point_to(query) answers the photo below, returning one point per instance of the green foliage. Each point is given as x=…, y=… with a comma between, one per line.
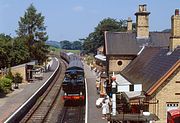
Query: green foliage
x=18, y=78
x=73, y=51
x=10, y=76
x=67, y=45
x=96, y=38
x=54, y=49
x=76, y=45
x=5, y=85
x=20, y=53
x=13, y=51
x=32, y=29
x=5, y=50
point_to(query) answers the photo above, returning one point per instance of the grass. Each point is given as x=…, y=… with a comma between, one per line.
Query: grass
x=57, y=50
x=72, y=51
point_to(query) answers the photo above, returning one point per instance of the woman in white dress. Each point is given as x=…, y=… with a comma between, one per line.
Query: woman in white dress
x=104, y=107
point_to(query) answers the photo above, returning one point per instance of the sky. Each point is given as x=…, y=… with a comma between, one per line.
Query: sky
x=76, y=19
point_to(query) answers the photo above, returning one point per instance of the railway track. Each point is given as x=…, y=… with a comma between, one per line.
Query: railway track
x=41, y=109
x=72, y=114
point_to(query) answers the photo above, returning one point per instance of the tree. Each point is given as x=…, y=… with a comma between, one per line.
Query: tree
x=5, y=50
x=96, y=38
x=76, y=45
x=89, y=42
x=20, y=53
x=65, y=45
x=31, y=27
x=13, y=51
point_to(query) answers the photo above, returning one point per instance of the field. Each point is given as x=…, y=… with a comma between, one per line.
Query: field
x=57, y=50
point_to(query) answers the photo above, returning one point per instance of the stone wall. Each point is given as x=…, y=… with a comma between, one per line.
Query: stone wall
x=166, y=94
x=20, y=69
x=118, y=65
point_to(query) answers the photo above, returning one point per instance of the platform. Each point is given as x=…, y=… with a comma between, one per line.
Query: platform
x=94, y=114
x=12, y=101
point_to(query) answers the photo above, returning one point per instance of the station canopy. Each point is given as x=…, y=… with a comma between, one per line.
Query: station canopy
x=100, y=57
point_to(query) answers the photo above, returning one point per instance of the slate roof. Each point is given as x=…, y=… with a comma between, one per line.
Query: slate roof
x=150, y=66
x=126, y=43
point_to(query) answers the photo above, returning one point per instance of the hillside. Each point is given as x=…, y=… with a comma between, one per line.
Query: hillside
x=53, y=43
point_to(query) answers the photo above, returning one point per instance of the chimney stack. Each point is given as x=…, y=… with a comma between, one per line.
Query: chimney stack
x=129, y=24
x=177, y=12
x=175, y=31
x=142, y=22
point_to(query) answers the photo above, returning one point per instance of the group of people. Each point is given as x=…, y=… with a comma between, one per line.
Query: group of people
x=103, y=102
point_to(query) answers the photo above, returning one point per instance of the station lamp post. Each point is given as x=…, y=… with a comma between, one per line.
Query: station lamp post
x=113, y=95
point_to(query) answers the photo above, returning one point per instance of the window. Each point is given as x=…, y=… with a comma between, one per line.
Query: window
x=119, y=63
x=173, y=105
x=131, y=87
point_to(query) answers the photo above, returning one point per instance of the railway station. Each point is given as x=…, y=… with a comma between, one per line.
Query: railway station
x=133, y=78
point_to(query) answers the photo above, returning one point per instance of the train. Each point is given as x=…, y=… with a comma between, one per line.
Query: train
x=73, y=84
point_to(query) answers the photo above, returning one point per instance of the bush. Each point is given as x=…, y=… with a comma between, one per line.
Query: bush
x=5, y=85
x=10, y=76
x=18, y=78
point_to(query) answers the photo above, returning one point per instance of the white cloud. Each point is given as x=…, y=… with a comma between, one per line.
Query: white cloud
x=78, y=8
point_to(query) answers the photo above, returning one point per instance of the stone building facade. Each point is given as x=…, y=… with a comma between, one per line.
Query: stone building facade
x=167, y=97
x=123, y=47
x=158, y=70
x=118, y=63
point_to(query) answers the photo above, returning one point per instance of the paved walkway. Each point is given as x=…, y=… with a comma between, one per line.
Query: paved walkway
x=12, y=101
x=94, y=114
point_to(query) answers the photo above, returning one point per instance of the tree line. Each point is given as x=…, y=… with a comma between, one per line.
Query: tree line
x=69, y=45
x=96, y=38
x=29, y=44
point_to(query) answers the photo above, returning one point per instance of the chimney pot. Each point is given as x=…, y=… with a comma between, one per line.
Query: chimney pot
x=177, y=12
x=129, y=19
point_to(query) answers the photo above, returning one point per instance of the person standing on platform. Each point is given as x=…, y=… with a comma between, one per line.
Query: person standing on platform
x=97, y=85
x=105, y=107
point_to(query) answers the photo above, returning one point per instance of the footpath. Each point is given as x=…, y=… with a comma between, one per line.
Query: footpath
x=94, y=114
x=11, y=102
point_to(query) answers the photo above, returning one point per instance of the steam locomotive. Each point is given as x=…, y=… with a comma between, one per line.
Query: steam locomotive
x=73, y=84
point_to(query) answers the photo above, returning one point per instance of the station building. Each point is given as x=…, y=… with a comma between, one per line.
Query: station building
x=151, y=59
x=123, y=47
